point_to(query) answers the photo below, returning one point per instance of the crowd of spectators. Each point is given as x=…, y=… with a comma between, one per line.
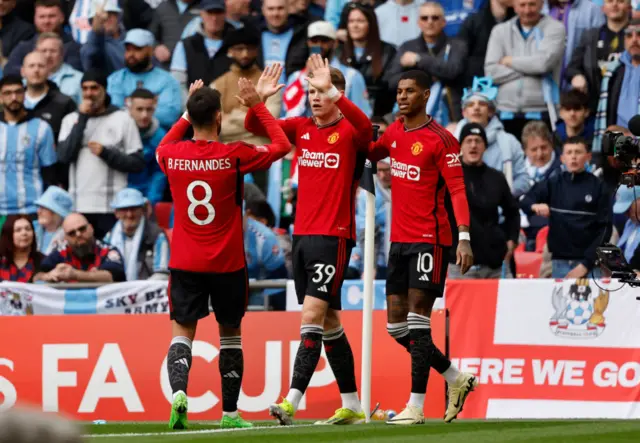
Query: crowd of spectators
x=90, y=87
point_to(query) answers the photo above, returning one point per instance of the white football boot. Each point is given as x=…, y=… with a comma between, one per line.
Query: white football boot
x=458, y=392
x=411, y=415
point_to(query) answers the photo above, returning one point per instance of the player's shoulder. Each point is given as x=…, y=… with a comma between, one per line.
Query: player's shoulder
x=241, y=146
x=439, y=135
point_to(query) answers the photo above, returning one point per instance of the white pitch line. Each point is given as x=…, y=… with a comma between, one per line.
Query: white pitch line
x=201, y=431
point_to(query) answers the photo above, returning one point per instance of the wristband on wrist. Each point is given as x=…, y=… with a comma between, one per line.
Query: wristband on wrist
x=186, y=116
x=464, y=236
x=333, y=93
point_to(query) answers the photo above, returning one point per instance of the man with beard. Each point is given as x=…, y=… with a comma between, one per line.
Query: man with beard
x=242, y=46
x=27, y=157
x=43, y=98
x=140, y=73
x=81, y=258
x=101, y=143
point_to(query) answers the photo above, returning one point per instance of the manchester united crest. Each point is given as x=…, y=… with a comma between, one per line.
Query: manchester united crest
x=333, y=138
x=416, y=148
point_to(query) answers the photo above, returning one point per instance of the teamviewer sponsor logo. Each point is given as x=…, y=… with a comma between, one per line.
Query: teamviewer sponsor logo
x=311, y=159
x=413, y=173
x=403, y=170
x=331, y=160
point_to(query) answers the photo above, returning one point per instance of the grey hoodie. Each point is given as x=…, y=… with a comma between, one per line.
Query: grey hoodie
x=520, y=86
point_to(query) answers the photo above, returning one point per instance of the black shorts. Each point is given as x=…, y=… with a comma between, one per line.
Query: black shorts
x=319, y=263
x=191, y=292
x=417, y=266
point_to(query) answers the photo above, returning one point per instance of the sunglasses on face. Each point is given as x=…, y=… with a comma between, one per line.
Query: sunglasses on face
x=77, y=232
x=631, y=31
x=433, y=18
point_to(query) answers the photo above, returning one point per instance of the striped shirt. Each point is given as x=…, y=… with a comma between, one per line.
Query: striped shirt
x=25, y=147
x=79, y=20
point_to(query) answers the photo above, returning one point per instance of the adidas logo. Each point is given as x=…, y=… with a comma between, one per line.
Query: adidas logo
x=323, y=288
x=424, y=277
x=232, y=374
x=393, y=145
x=182, y=361
x=306, y=137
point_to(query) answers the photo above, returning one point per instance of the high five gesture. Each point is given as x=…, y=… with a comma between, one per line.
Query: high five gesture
x=268, y=83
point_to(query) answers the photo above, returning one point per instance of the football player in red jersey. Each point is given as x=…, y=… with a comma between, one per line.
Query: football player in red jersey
x=331, y=150
x=207, y=263
x=424, y=165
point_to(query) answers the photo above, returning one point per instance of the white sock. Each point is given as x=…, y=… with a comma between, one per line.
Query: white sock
x=294, y=396
x=351, y=401
x=175, y=394
x=233, y=414
x=417, y=400
x=451, y=374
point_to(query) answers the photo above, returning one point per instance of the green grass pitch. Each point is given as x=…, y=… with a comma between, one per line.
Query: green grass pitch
x=567, y=431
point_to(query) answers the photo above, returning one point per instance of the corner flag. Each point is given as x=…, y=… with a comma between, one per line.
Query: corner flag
x=367, y=183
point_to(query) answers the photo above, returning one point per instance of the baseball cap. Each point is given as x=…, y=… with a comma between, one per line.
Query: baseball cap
x=109, y=6
x=140, y=38
x=321, y=29
x=473, y=129
x=57, y=200
x=128, y=198
x=624, y=198
x=212, y=5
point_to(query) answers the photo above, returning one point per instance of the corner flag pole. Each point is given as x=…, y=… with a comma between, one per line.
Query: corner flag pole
x=368, y=186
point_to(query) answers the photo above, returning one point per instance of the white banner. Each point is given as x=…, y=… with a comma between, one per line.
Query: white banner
x=138, y=297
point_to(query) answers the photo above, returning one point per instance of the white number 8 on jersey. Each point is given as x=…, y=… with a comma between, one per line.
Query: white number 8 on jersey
x=206, y=202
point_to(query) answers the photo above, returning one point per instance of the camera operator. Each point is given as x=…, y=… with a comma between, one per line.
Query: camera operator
x=628, y=203
x=620, y=89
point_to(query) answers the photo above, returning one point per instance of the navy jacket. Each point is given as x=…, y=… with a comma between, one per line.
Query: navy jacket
x=580, y=218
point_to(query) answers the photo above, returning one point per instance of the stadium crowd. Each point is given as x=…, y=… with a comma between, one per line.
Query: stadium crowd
x=90, y=87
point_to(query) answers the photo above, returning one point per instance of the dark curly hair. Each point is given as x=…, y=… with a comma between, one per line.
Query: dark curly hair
x=7, y=248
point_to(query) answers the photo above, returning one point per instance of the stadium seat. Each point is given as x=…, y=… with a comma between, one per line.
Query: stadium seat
x=163, y=213
x=541, y=239
x=527, y=264
x=169, y=233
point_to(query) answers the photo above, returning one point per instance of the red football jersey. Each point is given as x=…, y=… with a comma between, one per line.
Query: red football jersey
x=423, y=160
x=206, y=181
x=330, y=162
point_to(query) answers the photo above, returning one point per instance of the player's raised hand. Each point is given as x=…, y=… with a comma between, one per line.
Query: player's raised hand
x=247, y=93
x=320, y=76
x=195, y=86
x=464, y=256
x=268, y=83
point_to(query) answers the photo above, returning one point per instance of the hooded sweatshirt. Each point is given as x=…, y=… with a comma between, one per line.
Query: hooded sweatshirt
x=151, y=181
x=503, y=147
x=95, y=179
